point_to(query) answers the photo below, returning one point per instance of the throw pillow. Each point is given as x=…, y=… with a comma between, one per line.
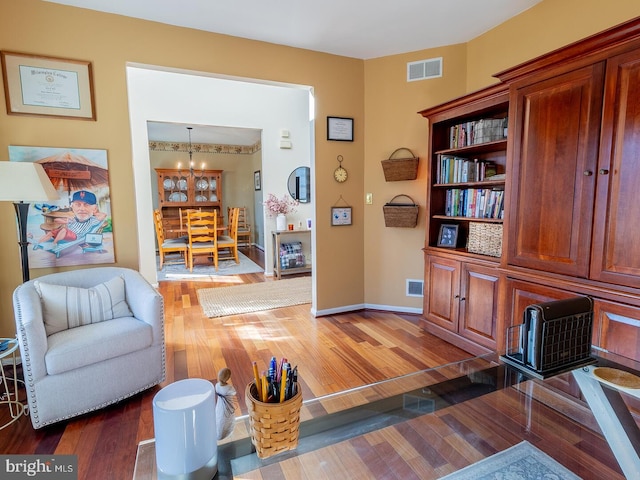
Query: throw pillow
x=69, y=307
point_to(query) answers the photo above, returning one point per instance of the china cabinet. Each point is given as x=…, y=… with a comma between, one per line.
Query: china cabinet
x=180, y=190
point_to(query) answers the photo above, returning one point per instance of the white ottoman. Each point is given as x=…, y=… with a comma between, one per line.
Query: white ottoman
x=184, y=420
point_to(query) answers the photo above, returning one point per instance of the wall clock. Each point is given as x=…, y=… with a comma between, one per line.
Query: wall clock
x=340, y=174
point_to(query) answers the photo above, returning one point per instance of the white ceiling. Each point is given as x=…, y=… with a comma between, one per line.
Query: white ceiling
x=354, y=28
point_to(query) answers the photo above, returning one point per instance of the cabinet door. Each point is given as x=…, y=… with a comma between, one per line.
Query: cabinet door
x=443, y=292
x=479, y=304
x=616, y=328
x=616, y=250
x=521, y=294
x=554, y=157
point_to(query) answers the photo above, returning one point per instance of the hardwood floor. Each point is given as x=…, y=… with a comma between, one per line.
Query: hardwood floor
x=333, y=353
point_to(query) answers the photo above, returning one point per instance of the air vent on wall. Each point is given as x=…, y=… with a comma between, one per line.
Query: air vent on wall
x=415, y=288
x=424, y=69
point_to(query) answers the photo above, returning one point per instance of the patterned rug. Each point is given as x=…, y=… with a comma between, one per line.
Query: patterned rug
x=200, y=273
x=520, y=462
x=255, y=297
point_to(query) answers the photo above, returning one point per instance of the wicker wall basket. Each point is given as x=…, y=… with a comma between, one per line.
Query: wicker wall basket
x=274, y=427
x=485, y=238
x=400, y=168
x=398, y=214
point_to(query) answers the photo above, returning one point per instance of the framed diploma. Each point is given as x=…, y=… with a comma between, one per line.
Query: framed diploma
x=340, y=129
x=49, y=86
x=340, y=216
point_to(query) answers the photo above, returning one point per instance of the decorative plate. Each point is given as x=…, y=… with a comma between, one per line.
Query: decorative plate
x=201, y=198
x=178, y=197
x=168, y=184
x=202, y=184
x=182, y=184
x=212, y=184
x=213, y=198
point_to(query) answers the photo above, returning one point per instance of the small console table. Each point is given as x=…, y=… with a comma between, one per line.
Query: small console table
x=283, y=236
x=9, y=347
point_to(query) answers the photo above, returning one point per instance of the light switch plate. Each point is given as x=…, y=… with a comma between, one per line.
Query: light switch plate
x=368, y=198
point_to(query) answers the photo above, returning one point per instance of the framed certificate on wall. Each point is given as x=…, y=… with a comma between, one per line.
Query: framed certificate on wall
x=340, y=129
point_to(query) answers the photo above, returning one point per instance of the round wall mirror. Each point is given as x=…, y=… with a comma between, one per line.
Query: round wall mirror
x=299, y=184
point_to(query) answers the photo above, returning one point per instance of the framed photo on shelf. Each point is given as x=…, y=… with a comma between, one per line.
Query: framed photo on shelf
x=340, y=216
x=257, y=182
x=48, y=86
x=340, y=129
x=448, y=236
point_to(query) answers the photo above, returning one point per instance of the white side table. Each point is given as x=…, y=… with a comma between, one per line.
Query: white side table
x=10, y=398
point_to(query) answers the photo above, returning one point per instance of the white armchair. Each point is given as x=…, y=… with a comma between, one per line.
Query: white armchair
x=88, y=338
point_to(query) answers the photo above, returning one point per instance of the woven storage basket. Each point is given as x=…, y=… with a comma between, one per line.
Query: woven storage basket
x=400, y=214
x=274, y=427
x=400, y=168
x=485, y=238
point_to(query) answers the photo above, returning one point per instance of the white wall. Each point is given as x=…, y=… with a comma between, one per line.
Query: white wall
x=193, y=98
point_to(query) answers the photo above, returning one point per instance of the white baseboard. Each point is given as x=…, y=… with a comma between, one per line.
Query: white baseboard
x=361, y=306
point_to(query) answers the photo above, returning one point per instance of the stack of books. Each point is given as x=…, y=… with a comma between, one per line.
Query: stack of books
x=451, y=169
x=475, y=203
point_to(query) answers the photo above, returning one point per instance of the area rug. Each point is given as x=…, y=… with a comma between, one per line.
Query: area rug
x=255, y=297
x=179, y=272
x=520, y=462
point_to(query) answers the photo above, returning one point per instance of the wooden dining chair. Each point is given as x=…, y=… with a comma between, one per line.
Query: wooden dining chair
x=244, y=228
x=202, y=234
x=230, y=241
x=169, y=245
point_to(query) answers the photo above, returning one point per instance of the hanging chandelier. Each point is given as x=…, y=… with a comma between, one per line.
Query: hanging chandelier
x=191, y=169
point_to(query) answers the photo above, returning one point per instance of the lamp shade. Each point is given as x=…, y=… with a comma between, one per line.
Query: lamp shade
x=25, y=181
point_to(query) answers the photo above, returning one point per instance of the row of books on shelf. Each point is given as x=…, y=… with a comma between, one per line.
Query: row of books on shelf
x=451, y=169
x=478, y=131
x=474, y=203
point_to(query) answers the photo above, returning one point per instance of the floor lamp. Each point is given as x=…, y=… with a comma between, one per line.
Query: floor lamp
x=23, y=182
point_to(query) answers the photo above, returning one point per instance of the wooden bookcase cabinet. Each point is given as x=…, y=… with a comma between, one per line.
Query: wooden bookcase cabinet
x=573, y=226
x=178, y=190
x=462, y=288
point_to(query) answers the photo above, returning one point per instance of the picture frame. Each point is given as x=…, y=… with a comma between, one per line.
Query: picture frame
x=257, y=181
x=340, y=129
x=48, y=86
x=340, y=216
x=448, y=236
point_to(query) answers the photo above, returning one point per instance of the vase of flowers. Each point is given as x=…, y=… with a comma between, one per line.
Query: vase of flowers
x=280, y=207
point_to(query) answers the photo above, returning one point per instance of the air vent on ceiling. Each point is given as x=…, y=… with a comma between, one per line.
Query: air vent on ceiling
x=424, y=69
x=415, y=288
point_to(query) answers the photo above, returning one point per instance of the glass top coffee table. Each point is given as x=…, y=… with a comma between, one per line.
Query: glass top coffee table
x=438, y=421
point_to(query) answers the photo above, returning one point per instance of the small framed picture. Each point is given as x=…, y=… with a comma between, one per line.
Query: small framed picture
x=257, y=183
x=340, y=216
x=448, y=236
x=340, y=129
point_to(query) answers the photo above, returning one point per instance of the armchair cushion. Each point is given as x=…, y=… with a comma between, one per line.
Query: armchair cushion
x=65, y=307
x=79, y=347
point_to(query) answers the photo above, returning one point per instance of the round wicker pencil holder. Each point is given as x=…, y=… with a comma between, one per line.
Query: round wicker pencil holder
x=274, y=427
